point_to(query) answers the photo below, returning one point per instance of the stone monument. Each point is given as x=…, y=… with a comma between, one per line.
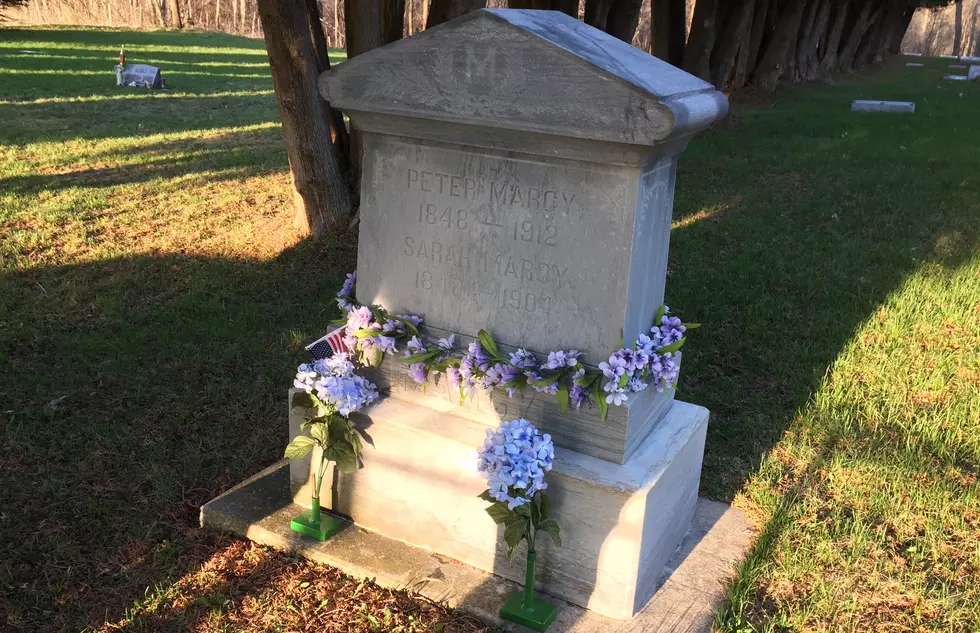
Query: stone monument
x=518, y=177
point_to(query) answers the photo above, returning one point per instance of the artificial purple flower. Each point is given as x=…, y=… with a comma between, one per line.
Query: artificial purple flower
x=452, y=374
x=523, y=359
x=386, y=344
x=671, y=330
x=561, y=358
x=359, y=319
x=447, y=344
x=615, y=368
x=418, y=372
x=415, y=346
x=479, y=355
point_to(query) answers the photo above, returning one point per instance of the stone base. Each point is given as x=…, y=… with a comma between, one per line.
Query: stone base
x=620, y=523
x=692, y=587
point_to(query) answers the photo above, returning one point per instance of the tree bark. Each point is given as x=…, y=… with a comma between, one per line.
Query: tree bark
x=807, y=63
x=362, y=22
x=771, y=65
x=736, y=30
x=668, y=30
x=445, y=10
x=392, y=20
x=760, y=22
x=845, y=58
x=744, y=61
x=597, y=13
x=529, y=4
x=958, y=29
x=322, y=198
x=321, y=52
x=865, y=49
x=174, y=15
x=895, y=46
x=568, y=7
x=623, y=18
x=828, y=63
x=701, y=41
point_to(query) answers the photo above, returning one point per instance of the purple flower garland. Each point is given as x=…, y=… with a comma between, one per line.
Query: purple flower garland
x=653, y=359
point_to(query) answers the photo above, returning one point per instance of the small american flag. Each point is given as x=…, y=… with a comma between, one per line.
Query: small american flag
x=326, y=346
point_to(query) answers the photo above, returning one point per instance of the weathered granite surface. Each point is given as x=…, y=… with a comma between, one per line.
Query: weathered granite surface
x=518, y=177
x=861, y=105
x=974, y=72
x=693, y=581
x=619, y=523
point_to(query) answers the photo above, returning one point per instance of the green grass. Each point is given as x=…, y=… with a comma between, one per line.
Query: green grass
x=153, y=300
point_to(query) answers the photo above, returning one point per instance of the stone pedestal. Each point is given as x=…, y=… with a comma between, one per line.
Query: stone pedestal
x=620, y=522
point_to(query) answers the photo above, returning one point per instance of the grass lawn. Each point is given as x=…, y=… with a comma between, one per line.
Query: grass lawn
x=154, y=299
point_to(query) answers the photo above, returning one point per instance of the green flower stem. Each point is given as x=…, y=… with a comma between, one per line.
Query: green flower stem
x=317, y=483
x=529, y=570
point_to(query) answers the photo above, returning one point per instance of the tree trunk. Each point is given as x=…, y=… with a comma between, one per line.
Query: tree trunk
x=898, y=36
x=736, y=31
x=597, y=13
x=445, y=10
x=321, y=52
x=701, y=41
x=828, y=63
x=174, y=15
x=744, y=61
x=773, y=59
x=623, y=18
x=529, y=4
x=668, y=30
x=392, y=20
x=958, y=28
x=568, y=7
x=322, y=197
x=845, y=59
x=760, y=22
x=807, y=64
x=362, y=20
x=865, y=49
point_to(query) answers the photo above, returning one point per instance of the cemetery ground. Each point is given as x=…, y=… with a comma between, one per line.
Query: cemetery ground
x=154, y=301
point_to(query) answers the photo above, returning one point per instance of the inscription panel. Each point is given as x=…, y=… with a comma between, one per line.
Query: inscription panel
x=536, y=252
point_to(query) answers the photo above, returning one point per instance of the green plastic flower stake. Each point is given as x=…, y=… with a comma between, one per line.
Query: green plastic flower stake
x=514, y=459
x=331, y=430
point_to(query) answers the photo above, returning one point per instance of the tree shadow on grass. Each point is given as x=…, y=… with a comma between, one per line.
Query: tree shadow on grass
x=135, y=390
x=821, y=220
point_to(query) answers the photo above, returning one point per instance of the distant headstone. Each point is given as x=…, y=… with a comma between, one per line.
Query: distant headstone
x=958, y=66
x=974, y=72
x=969, y=59
x=913, y=54
x=949, y=56
x=912, y=65
x=142, y=75
x=862, y=105
x=956, y=77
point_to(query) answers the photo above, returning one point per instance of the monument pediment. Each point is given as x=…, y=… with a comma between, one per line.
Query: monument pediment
x=533, y=71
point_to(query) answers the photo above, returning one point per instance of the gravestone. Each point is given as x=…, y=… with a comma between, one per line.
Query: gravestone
x=912, y=54
x=518, y=177
x=968, y=58
x=862, y=105
x=956, y=77
x=142, y=75
x=974, y=72
x=914, y=65
x=564, y=245
x=958, y=66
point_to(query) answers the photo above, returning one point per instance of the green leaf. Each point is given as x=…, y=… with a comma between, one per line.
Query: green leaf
x=421, y=356
x=367, y=333
x=543, y=382
x=658, y=317
x=692, y=326
x=673, y=347
x=562, y=397
x=318, y=432
x=514, y=534
x=586, y=381
x=499, y=513
x=299, y=447
x=304, y=400
x=551, y=527
x=343, y=455
x=486, y=341
x=624, y=380
x=545, y=503
x=520, y=381
x=485, y=495
x=339, y=322
x=600, y=400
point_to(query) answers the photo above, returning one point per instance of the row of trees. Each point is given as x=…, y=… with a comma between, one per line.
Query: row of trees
x=730, y=43
x=231, y=16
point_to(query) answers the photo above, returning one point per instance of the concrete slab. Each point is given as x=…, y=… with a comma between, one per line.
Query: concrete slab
x=914, y=65
x=693, y=581
x=863, y=105
x=956, y=77
x=959, y=66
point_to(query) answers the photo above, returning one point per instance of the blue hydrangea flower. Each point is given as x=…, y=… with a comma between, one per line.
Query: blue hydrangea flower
x=514, y=459
x=335, y=383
